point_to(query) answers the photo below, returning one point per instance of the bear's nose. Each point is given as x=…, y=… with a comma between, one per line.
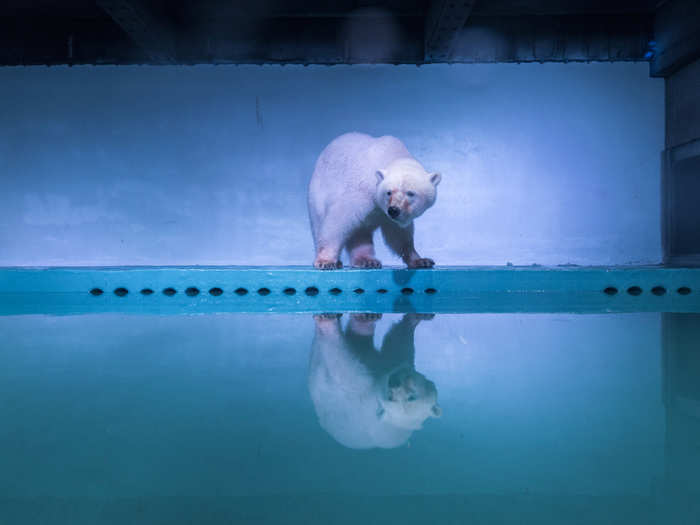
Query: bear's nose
x=393, y=212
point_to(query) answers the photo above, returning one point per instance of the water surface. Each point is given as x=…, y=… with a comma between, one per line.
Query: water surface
x=481, y=418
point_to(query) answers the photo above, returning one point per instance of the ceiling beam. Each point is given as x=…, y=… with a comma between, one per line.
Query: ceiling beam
x=445, y=20
x=149, y=31
x=605, y=38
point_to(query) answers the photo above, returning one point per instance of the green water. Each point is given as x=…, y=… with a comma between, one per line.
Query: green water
x=233, y=418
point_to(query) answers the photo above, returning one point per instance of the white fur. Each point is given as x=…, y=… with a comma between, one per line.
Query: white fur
x=352, y=397
x=349, y=200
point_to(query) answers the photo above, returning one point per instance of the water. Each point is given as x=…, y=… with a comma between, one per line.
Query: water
x=236, y=418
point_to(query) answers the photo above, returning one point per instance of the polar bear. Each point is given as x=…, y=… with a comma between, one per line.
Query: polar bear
x=364, y=398
x=362, y=183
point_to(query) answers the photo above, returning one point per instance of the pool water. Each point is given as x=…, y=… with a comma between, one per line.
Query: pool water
x=359, y=418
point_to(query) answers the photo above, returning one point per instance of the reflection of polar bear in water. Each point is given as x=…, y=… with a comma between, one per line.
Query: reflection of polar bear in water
x=364, y=398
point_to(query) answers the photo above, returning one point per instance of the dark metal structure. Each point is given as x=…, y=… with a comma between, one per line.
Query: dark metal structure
x=322, y=32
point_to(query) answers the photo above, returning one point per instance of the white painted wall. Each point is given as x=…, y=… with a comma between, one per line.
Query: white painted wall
x=549, y=164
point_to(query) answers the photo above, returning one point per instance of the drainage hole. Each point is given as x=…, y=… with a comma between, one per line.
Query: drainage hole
x=264, y=291
x=216, y=291
x=684, y=290
x=407, y=291
x=430, y=291
x=382, y=290
x=121, y=292
x=658, y=290
x=358, y=291
x=610, y=290
x=241, y=291
x=634, y=290
x=335, y=291
x=192, y=291
x=311, y=290
x=289, y=291
x=146, y=291
x=170, y=292
x=96, y=291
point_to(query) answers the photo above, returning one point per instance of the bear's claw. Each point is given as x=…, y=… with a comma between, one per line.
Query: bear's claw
x=421, y=263
x=324, y=264
x=367, y=263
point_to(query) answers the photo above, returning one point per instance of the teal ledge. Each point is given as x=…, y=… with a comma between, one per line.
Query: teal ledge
x=198, y=289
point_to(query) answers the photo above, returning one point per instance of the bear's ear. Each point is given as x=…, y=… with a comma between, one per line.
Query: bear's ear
x=380, y=176
x=435, y=178
x=436, y=411
x=380, y=412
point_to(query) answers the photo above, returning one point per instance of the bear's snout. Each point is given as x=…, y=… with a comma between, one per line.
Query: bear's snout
x=393, y=212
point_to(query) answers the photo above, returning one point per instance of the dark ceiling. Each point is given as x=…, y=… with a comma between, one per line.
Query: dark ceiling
x=322, y=32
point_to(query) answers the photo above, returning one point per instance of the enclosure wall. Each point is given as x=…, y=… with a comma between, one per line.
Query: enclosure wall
x=541, y=163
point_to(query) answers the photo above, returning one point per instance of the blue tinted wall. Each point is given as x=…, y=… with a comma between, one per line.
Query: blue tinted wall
x=541, y=163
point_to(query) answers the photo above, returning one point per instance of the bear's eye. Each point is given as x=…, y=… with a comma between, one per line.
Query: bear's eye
x=388, y=192
x=410, y=194
x=411, y=398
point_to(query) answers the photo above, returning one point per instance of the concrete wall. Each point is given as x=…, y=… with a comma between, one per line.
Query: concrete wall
x=549, y=164
x=682, y=167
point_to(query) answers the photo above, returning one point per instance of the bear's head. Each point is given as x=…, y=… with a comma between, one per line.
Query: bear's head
x=408, y=398
x=405, y=190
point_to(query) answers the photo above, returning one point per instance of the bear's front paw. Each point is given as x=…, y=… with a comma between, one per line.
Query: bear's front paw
x=366, y=262
x=326, y=264
x=421, y=263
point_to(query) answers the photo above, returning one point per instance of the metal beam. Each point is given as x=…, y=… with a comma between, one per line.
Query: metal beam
x=445, y=20
x=677, y=37
x=98, y=40
x=144, y=27
x=607, y=38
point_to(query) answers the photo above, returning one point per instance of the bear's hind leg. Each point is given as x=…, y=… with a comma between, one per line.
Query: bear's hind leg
x=329, y=242
x=361, y=250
